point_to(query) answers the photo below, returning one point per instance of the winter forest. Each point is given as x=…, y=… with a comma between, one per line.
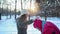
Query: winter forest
x=45, y=15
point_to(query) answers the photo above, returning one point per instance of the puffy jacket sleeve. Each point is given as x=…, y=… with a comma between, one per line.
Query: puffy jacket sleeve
x=29, y=22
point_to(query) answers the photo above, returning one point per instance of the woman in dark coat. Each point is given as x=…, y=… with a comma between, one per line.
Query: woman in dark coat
x=22, y=24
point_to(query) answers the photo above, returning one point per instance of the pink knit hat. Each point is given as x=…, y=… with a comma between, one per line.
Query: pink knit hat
x=38, y=24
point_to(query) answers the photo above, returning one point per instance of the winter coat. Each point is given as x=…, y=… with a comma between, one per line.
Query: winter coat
x=22, y=24
x=46, y=28
x=50, y=28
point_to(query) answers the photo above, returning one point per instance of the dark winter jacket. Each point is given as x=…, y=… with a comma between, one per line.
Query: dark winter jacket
x=22, y=24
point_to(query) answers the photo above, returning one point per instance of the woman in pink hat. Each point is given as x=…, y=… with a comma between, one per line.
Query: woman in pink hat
x=46, y=27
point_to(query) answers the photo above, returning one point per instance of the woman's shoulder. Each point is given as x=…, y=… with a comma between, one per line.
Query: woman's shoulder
x=18, y=19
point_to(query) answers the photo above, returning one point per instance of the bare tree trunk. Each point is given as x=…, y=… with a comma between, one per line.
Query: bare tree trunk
x=10, y=10
x=45, y=15
x=7, y=11
x=0, y=16
x=15, y=7
x=30, y=9
x=0, y=11
x=21, y=5
x=2, y=8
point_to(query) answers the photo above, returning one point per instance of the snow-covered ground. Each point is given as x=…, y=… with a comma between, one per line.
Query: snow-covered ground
x=8, y=26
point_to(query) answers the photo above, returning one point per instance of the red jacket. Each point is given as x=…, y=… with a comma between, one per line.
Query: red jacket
x=49, y=27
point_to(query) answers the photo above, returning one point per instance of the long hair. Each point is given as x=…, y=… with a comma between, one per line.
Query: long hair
x=23, y=17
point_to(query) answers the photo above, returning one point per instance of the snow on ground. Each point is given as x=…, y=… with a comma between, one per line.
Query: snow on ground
x=8, y=26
